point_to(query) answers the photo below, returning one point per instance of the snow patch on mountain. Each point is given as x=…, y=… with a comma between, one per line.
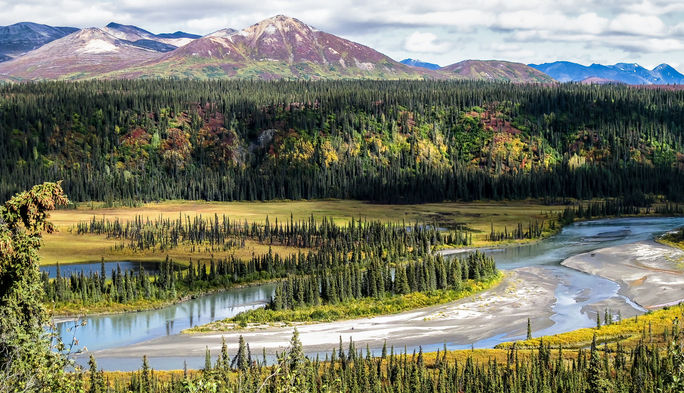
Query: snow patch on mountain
x=98, y=46
x=270, y=29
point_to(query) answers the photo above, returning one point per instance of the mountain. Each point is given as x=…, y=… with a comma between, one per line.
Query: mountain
x=179, y=34
x=496, y=70
x=668, y=75
x=156, y=46
x=84, y=54
x=421, y=64
x=593, y=80
x=629, y=73
x=278, y=47
x=144, y=38
x=19, y=38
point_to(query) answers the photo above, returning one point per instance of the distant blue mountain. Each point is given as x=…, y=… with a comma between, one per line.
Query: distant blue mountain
x=179, y=34
x=154, y=45
x=421, y=64
x=19, y=38
x=629, y=73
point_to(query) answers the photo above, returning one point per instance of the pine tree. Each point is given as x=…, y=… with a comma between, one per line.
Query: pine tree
x=224, y=359
x=240, y=360
x=145, y=377
x=207, y=360
x=295, y=353
x=95, y=377
x=596, y=383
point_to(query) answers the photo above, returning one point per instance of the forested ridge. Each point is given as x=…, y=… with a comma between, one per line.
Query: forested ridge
x=373, y=140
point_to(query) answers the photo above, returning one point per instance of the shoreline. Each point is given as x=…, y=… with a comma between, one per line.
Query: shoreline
x=503, y=310
x=647, y=271
x=65, y=317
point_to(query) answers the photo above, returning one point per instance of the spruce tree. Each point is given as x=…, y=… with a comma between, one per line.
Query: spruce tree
x=240, y=360
x=529, y=329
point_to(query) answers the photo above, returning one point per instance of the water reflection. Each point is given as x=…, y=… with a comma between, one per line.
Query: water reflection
x=96, y=267
x=110, y=331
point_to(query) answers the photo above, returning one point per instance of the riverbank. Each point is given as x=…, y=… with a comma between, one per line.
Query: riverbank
x=503, y=310
x=649, y=273
x=358, y=308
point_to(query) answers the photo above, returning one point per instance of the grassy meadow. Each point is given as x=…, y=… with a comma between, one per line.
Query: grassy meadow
x=648, y=327
x=65, y=246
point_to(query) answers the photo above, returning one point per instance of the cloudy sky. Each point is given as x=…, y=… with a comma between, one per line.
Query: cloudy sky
x=648, y=32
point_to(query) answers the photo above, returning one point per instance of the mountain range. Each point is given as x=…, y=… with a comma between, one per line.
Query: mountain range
x=275, y=48
x=628, y=73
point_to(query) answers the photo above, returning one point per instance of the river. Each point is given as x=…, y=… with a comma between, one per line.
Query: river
x=574, y=291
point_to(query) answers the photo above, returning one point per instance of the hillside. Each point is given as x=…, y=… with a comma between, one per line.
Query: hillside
x=372, y=140
x=495, y=70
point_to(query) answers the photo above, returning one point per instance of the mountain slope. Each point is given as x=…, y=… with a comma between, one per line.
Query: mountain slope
x=19, y=38
x=142, y=36
x=278, y=47
x=628, y=73
x=179, y=34
x=421, y=64
x=668, y=75
x=86, y=53
x=496, y=70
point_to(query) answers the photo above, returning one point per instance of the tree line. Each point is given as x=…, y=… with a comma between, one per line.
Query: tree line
x=350, y=282
x=327, y=247
x=615, y=207
x=597, y=369
x=143, y=233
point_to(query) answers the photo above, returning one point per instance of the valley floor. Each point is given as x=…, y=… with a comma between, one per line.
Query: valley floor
x=65, y=246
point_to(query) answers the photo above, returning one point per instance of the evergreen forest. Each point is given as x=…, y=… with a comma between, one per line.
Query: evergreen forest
x=397, y=142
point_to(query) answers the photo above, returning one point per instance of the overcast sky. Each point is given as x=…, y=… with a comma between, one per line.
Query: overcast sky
x=648, y=32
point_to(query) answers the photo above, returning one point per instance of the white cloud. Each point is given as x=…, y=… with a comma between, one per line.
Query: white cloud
x=425, y=43
x=447, y=30
x=634, y=24
x=656, y=7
